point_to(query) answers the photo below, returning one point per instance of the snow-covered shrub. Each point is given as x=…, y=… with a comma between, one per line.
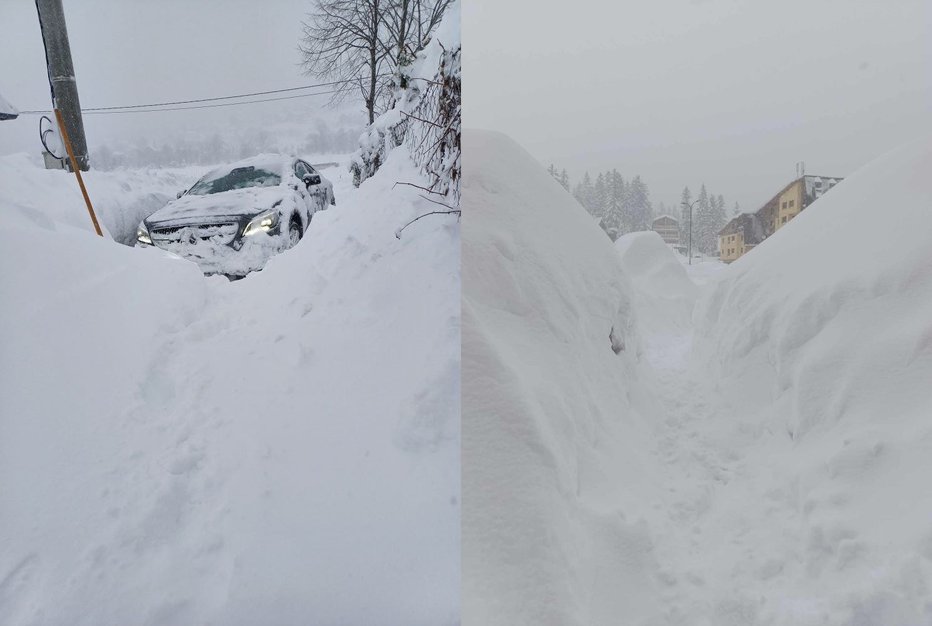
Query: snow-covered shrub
x=426, y=116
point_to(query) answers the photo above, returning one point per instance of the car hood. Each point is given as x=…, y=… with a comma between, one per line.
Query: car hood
x=190, y=209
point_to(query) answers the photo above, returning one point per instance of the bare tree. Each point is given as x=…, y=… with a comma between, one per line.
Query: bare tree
x=408, y=26
x=342, y=42
x=364, y=44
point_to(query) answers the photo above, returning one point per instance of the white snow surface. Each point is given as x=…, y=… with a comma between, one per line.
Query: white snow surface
x=554, y=452
x=765, y=463
x=665, y=293
x=176, y=449
x=818, y=345
x=121, y=198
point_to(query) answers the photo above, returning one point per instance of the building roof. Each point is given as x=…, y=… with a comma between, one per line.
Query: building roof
x=665, y=216
x=812, y=191
x=748, y=224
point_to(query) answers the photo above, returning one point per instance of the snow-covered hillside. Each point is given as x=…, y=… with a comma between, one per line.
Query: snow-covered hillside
x=761, y=462
x=176, y=449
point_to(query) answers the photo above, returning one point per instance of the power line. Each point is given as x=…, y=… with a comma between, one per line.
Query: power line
x=149, y=107
x=210, y=106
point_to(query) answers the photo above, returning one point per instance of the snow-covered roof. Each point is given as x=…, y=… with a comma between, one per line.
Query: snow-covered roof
x=749, y=224
x=7, y=110
x=275, y=163
x=669, y=217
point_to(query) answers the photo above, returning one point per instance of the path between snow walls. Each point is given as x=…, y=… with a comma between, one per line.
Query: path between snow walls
x=556, y=474
x=283, y=449
x=763, y=461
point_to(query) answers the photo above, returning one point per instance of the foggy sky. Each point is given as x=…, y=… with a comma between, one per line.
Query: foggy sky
x=730, y=93
x=141, y=51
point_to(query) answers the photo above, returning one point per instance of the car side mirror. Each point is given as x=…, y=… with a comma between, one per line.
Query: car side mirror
x=311, y=179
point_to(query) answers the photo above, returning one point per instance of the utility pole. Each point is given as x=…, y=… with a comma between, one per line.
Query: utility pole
x=61, y=76
x=689, y=250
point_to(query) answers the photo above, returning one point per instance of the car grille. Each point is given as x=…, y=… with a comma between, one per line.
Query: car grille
x=218, y=233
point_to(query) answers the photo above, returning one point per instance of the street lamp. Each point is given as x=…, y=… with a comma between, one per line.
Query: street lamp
x=689, y=250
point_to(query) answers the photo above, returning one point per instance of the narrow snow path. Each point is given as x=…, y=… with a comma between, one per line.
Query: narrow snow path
x=696, y=552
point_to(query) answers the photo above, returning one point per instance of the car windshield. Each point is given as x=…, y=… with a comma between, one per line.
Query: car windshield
x=237, y=178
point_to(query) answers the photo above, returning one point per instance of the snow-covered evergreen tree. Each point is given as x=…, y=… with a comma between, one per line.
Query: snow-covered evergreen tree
x=639, y=211
x=614, y=220
x=584, y=193
x=685, y=221
x=602, y=206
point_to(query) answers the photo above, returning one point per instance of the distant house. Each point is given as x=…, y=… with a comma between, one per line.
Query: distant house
x=668, y=228
x=771, y=217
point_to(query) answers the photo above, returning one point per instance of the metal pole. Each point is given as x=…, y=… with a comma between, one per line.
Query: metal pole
x=61, y=77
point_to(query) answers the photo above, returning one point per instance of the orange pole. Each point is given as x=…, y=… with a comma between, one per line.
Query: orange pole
x=76, y=170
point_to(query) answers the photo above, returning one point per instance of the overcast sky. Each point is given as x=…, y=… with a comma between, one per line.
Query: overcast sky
x=141, y=51
x=730, y=93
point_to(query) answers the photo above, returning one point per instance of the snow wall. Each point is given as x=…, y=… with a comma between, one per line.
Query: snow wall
x=550, y=426
x=121, y=198
x=820, y=340
x=664, y=293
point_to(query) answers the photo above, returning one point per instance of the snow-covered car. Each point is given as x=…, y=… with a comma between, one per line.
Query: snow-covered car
x=237, y=216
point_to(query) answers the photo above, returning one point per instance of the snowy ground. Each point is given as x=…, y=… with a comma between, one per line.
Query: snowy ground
x=176, y=449
x=758, y=452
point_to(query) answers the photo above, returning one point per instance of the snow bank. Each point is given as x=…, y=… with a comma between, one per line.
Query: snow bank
x=549, y=432
x=121, y=198
x=820, y=342
x=665, y=293
x=283, y=449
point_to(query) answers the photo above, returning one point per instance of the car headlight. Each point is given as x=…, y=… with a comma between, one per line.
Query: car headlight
x=142, y=235
x=262, y=223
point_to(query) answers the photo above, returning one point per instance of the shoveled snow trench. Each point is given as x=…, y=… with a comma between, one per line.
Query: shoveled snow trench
x=283, y=449
x=757, y=451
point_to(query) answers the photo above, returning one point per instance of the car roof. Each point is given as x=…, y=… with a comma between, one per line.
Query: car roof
x=276, y=163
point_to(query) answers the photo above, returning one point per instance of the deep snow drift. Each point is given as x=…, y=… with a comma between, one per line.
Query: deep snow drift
x=818, y=345
x=665, y=293
x=176, y=449
x=121, y=198
x=554, y=453
x=772, y=472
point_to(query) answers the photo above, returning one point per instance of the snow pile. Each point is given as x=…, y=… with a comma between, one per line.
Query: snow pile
x=665, y=293
x=820, y=344
x=283, y=449
x=121, y=198
x=555, y=453
x=426, y=116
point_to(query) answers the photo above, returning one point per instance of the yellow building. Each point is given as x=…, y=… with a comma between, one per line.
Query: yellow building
x=740, y=234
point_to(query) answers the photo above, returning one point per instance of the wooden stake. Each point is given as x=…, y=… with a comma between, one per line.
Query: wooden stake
x=76, y=169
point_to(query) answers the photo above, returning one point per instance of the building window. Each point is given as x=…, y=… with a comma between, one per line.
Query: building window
x=784, y=220
x=791, y=203
x=784, y=204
